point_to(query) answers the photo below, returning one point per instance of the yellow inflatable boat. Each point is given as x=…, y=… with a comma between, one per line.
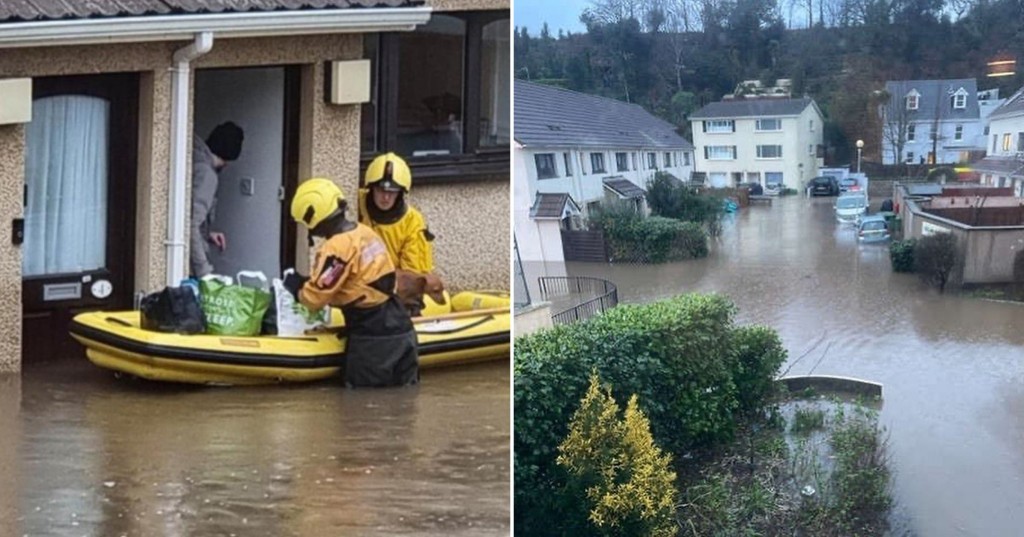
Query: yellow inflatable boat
x=116, y=341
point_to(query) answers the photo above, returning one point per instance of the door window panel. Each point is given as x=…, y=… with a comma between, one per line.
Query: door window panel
x=66, y=185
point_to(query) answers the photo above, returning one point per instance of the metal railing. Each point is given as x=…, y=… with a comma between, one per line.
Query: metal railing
x=605, y=296
x=521, y=292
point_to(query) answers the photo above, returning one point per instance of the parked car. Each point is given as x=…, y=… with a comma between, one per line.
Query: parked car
x=873, y=228
x=850, y=207
x=849, y=185
x=824, y=186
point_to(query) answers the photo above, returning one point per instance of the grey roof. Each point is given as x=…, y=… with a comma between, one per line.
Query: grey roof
x=552, y=205
x=929, y=106
x=546, y=116
x=999, y=165
x=767, y=107
x=1013, y=106
x=623, y=187
x=41, y=10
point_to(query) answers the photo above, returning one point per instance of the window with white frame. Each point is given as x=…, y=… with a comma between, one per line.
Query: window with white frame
x=912, y=100
x=958, y=134
x=769, y=151
x=668, y=159
x=597, y=162
x=719, y=126
x=635, y=165
x=911, y=132
x=652, y=161
x=995, y=138
x=960, y=99
x=773, y=178
x=910, y=156
x=621, y=162
x=545, y=165
x=720, y=152
x=810, y=125
x=1006, y=141
x=568, y=163
x=583, y=163
x=810, y=149
x=1020, y=141
x=775, y=124
x=686, y=158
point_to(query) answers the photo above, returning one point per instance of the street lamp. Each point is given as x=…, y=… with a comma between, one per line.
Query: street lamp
x=860, y=147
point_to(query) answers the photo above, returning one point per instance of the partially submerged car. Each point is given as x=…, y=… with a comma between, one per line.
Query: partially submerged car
x=850, y=207
x=823, y=186
x=873, y=228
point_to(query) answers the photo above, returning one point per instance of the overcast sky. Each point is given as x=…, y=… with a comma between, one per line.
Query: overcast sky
x=564, y=14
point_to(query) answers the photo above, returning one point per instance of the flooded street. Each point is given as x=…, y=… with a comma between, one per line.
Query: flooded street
x=952, y=367
x=97, y=456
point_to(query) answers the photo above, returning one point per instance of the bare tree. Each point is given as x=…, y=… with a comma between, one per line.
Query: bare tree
x=895, y=121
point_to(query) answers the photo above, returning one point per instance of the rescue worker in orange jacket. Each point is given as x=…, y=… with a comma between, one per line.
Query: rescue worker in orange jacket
x=353, y=272
x=383, y=207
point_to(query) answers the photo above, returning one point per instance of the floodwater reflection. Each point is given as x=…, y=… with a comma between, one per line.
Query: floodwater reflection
x=102, y=456
x=952, y=366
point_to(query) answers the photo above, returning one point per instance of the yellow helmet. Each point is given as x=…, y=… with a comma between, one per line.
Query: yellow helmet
x=316, y=200
x=390, y=172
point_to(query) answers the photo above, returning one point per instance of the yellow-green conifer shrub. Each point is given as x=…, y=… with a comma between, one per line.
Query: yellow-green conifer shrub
x=626, y=477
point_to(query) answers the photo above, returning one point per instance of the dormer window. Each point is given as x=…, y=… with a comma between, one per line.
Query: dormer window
x=960, y=99
x=912, y=100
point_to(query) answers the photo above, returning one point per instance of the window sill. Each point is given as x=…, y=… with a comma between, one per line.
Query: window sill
x=456, y=168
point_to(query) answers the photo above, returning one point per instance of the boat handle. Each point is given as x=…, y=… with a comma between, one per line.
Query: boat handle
x=121, y=322
x=477, y=322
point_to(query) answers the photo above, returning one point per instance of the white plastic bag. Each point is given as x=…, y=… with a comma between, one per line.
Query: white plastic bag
x=293, y=319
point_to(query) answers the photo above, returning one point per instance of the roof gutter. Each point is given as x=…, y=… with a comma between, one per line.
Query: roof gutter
x=226, y=25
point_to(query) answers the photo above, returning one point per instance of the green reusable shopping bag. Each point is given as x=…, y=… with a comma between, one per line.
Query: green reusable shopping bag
x=232, y=310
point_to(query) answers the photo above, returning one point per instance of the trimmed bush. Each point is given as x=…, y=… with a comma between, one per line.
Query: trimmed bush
x=633, y=238
x=760, y=354
x=626, y=479
x=682, y=357
x=901, y=254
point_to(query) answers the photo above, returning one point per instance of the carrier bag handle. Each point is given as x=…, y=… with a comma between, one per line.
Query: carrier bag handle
x=253, y=275
x=226, y=280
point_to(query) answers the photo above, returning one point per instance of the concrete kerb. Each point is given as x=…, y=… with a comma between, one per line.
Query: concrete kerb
x=828, y=383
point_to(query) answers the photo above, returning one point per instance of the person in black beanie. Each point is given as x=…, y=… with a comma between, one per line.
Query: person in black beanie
x=209, y=157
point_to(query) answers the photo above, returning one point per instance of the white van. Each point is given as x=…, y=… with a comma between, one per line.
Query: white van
x=850, y=206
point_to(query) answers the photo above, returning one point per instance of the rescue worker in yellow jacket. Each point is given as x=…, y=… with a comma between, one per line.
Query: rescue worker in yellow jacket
x=383, y=207
x=353, y=272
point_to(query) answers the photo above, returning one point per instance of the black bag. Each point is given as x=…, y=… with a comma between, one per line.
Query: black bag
x=175, y=309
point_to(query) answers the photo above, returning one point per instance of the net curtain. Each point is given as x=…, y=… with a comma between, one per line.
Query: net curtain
x=66, y=185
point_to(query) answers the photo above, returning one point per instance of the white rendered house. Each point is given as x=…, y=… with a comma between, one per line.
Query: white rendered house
x=770, y=141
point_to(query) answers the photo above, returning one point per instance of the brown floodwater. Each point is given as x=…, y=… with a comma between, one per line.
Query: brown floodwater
x=83, y=453
x=952, y=366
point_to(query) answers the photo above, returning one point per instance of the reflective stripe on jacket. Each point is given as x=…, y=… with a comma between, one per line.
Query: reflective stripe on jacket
x=351, y=269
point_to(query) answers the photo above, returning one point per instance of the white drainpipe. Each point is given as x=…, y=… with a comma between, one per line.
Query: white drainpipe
x=177, y=203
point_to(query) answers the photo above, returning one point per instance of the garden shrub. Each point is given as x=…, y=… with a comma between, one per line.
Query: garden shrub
x=936, y=258
x=615, y=464
x=760, y=354
x=901, y=254
x=634, y=238
x=682, y=357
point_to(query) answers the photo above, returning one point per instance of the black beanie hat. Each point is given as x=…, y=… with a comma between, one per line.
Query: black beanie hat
x=226, y=141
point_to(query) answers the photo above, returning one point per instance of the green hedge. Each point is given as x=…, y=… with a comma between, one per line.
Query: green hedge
x=901, y=254
x=682, y=357
x=634, y=238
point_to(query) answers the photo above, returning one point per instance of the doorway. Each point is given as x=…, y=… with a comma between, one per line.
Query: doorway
x=253, y=191
x=79, y=216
